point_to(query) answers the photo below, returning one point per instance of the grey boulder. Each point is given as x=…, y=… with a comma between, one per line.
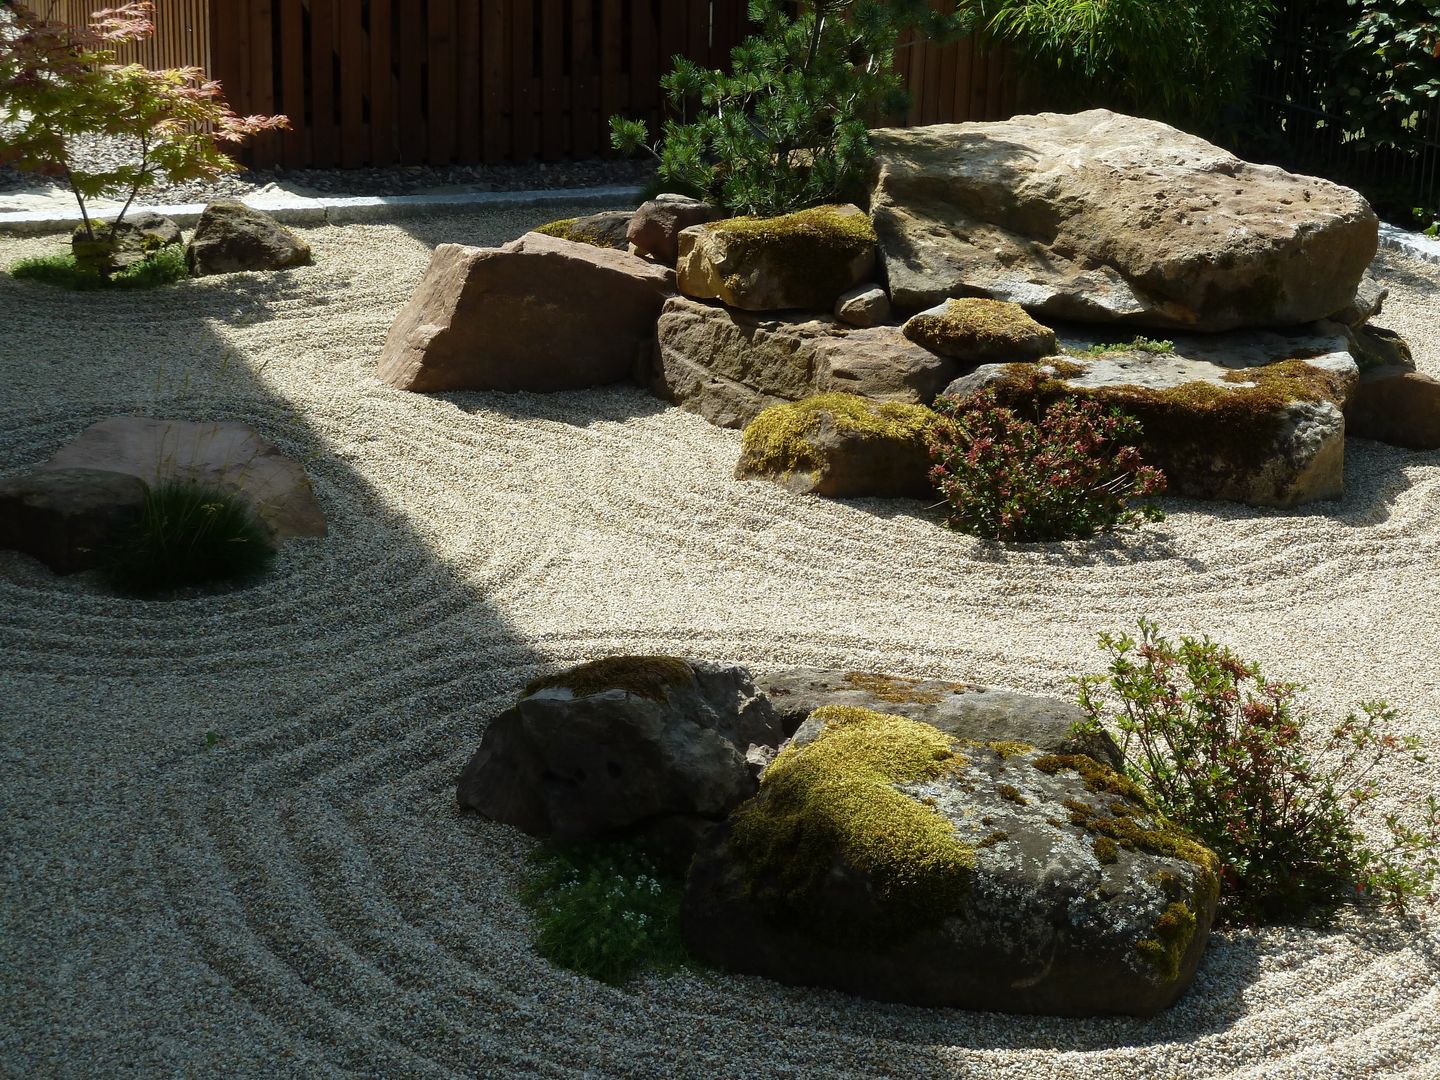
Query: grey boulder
x=622, y=744
x=886, y=859
x=65, y=517
x=230, y=237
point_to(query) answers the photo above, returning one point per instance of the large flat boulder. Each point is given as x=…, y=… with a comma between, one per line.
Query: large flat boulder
x=621, y=744
x=974, y=713
x=1255, y=417
x=729, y=366
x=540, y=313
x=887, y=859
x=807, y=259
x=1104, y=217
x=224, y=454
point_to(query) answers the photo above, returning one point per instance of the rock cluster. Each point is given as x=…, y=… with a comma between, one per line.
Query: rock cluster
x=911, y=840
x=1096, y=223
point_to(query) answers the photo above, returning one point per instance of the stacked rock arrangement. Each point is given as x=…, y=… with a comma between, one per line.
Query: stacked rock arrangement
x=1041, y=243
x=920, y=841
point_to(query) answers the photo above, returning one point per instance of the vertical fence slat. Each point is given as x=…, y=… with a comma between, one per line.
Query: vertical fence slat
x=495, y=84
x=383, y=149
x=440, y=49
x=553, y=122
x=411, y=113
x=467, y=83
x=611, y=54
x=324, y=139
x=294, y=143
x=353, y=137
x=522, y=79
x=585, y=134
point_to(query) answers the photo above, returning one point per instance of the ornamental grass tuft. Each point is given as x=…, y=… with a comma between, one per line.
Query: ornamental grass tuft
x=188, y=534
x=164, y=267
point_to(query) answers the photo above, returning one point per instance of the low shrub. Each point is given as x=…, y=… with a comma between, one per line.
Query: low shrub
x=188, y=534
x=1138, y=344
x=1224, y=752
x=165, y=266
x=606, y=911
x=1066, y=472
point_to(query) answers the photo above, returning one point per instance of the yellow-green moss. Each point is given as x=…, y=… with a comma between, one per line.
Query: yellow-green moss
x=1008, y=748
x=1172, y=933
x=974, y=326
x=1106, y=850
x=566, y=229
x=816, y=246
x=644, y=676
x=559, y=229
x=834, y=802
x=778, y=440
x=1012, y=793
x=1185, y=425
x=898, y=690
x=1098, y=778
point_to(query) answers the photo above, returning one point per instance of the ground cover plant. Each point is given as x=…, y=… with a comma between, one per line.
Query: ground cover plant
x=188, y=534
x=63, y=271
x=785, y=128
x=606, y=911
x=1067, y=470
x=59, y=81
x=1224, y=752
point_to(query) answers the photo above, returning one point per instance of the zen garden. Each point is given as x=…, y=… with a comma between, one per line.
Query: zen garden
x=809, y=578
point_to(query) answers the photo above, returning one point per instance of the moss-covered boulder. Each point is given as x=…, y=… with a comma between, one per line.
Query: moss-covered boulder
x=606, y=229
x=974, y=330
x=622, y=744
x=729, y=366
x=977, y=713
x=108, y=248
x=231, y=237
x=801, y=260
x=842, y=446
x=887, y=859
x=1251, y=416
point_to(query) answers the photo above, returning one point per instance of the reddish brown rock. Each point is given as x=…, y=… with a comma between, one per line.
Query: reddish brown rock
x=538, y=314
x=656, y=227
x=1396, y=405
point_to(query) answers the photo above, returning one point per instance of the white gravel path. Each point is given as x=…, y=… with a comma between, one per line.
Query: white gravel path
x=304, y=900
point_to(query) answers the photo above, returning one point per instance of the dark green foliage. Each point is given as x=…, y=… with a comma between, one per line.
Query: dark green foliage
x=1225, y=754
x=165, y=266
x=188, y=535
x=606, y=911
x=1175, y=62
x=786, y=128
x=1066, y=471
x=1385, y=66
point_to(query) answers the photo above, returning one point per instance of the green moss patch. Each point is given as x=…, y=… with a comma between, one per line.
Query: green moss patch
x=574, y=230
x=834, y=802
x=1172, y=933
x=777, y=441
x=650, y=677
x=974, y=328
x=900, y=691
x=818, y=246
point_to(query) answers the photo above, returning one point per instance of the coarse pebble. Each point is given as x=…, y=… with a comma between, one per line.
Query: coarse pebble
x=229, y=838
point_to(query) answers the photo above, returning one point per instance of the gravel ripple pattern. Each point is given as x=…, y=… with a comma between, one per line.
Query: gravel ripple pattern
x=229, y=843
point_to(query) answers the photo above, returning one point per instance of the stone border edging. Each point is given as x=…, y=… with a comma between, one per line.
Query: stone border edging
x=1411, y=243
x=302, y=210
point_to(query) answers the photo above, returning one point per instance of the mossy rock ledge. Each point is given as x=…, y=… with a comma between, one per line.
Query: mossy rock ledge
x=1255, y=417
x=884, y=858
x=624, y=745
x=975, y=330
x=607, y=229
x=801, y=260
x=842, y=446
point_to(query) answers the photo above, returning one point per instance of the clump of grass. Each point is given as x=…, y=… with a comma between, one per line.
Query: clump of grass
x=1140, y=344
x=606, y=911
x=188, y=534
x=165, y=266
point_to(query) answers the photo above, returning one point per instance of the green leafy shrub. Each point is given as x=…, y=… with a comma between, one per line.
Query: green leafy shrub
x=1385, y=72
x=58, y=81
x=1067, y=471
x=606, y=911
x=1224, y=752
x=1176, y=62
x=786, y=128
x=163, y=267
x=188, y=534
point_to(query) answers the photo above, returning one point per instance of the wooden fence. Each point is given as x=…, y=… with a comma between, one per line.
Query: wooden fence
x=382, y=82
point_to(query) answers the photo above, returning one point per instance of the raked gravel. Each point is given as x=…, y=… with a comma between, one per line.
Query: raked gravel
x=303, y=899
